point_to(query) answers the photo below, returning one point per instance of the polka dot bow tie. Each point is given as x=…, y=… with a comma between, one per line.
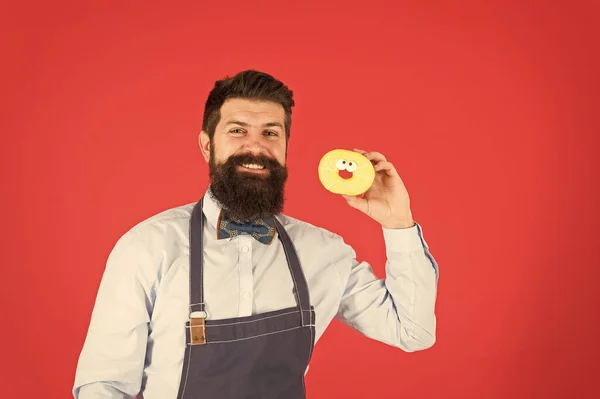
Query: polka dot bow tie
x=262, y=230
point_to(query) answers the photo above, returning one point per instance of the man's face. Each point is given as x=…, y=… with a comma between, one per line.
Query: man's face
x=247, y=158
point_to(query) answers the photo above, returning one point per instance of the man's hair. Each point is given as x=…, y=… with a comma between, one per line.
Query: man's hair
x=251, y=85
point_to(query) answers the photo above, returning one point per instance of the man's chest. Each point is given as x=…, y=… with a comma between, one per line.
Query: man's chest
x=242, y=279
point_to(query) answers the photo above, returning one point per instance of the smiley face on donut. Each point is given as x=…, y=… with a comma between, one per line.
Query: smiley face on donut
x=346, y=172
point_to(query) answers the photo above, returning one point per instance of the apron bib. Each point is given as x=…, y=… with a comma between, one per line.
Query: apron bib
x=262, y=356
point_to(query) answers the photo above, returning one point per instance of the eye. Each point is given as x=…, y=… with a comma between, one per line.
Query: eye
x=237, y=131
x=271, y=133
x=352, y=166
x=341, y=164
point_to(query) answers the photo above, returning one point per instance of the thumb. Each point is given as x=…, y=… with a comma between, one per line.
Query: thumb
x=359, y=203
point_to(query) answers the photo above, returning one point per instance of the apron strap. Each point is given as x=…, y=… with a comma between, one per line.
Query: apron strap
x=300, y=285
x=197, y=259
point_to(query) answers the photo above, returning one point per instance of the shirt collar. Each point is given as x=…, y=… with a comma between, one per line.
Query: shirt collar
x=211, y=208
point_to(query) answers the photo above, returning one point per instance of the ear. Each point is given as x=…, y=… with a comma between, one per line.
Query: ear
x=204, y=143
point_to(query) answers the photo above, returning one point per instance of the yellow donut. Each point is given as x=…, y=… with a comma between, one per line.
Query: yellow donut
x=346, y=162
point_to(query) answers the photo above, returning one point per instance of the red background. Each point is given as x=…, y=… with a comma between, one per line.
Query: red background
x=488, y=110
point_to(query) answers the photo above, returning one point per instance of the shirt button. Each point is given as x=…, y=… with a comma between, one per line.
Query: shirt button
x=245, y=248
x=246, y=295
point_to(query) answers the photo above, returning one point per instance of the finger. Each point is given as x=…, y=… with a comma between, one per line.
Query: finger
x=386, y=167
x=375, y=157
x=360, y=151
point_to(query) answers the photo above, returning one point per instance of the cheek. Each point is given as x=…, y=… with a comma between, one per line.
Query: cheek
x=279, y=153
x=223, y=150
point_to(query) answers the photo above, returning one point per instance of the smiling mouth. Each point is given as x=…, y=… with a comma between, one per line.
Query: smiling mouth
x=253, y=168
x=344, y=174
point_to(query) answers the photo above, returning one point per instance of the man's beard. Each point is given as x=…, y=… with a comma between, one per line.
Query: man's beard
x=245, y=195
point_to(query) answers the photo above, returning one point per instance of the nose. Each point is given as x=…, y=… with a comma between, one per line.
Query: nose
x=253, y=145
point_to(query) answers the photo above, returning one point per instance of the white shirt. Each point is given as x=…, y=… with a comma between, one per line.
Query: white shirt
x=136, y=338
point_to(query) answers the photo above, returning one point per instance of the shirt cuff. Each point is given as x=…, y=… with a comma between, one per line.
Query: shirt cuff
x=403, y=240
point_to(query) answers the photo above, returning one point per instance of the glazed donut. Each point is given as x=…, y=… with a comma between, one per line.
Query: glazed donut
x=346, y=172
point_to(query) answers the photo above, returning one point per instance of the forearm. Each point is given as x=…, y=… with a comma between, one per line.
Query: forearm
x=111, y=363
x=398, y=310
x=112, y=360
x=411, y=280
x=101, y=390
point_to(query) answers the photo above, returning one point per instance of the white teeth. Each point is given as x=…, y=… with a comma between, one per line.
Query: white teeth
x=252, y=166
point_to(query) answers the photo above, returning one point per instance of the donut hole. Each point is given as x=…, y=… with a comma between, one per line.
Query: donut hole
x=344, y=174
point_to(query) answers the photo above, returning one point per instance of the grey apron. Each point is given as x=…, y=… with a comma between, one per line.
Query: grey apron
x=260, y=356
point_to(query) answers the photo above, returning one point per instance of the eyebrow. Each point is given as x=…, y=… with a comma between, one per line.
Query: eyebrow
x=244, y=124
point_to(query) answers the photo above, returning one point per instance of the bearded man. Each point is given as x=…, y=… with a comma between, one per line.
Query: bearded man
x=226, y=297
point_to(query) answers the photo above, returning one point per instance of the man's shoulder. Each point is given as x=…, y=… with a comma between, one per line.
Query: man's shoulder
x=301, y=230
x=315, y=242
x=170, y=220
x=155, y=240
